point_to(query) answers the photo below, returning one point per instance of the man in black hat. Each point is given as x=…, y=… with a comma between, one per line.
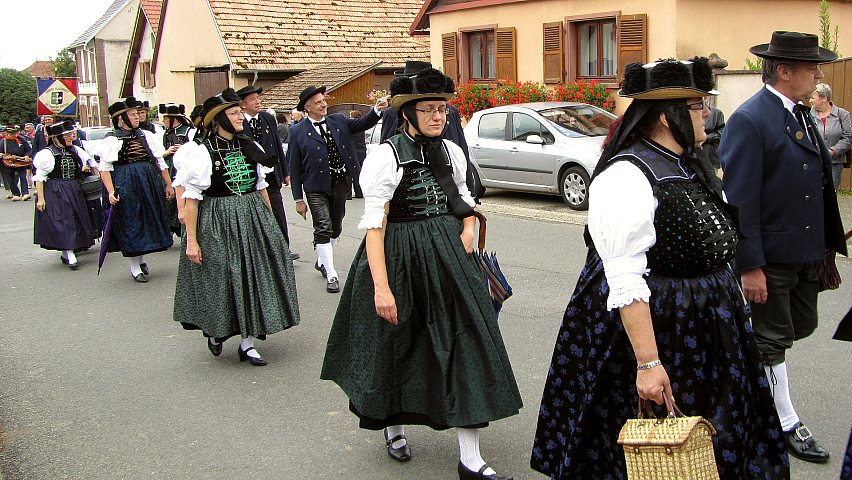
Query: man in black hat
x=322, y=160
x=778, y=172
x=452, y=132
x=262, y=126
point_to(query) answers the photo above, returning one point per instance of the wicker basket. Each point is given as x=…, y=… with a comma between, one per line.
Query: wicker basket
x=674, y=448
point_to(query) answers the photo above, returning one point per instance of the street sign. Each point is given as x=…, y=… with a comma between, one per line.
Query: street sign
x=57, y=96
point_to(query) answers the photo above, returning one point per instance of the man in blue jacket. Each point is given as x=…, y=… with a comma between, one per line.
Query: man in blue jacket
x=777, y=171
x=322, y=160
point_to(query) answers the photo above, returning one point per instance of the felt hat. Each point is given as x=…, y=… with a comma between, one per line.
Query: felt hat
x=429, y=83
x=412, y=68
x=217, y=103
x=117, y=108
x=795, y=47
x=248, y=90
x=60, y=128
x=306, y=95
x=668, y=79
x=172, y=110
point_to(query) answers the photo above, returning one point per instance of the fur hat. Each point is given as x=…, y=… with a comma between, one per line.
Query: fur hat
x=60, y=128
x=213, y=105
x=429, y=83
x=172, y=110
x=668, y=79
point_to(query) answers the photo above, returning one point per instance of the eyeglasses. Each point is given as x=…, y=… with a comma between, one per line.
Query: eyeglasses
x=696, y=106
x=442, y=111
x=234, y=114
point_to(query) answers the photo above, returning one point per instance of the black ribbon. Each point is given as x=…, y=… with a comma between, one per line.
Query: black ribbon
x=439, y=164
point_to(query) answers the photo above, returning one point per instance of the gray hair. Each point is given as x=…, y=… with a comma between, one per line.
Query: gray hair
x=823, y=91
x=770, y=69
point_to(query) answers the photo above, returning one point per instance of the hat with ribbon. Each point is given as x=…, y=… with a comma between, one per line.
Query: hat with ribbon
x=215, y=104
x=172, y=110
x=306, y=95
x=248, y=90
x=668, y=79
x=195, y=116
x=427, y=84
x=60, y=128
x=117, y=108
x=412, y=68
x=795, y=47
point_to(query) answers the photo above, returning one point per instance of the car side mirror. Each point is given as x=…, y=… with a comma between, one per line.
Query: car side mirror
x=536, y=139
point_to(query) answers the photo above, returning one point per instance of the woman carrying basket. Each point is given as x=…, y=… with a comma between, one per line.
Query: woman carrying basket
x=657, y=312
x=62, y=217
x=415, y=293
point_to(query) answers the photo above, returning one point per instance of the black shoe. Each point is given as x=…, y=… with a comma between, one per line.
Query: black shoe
x=144, y=267
x=64, y=260
x=74, y=266
x=401, y=454
x=802, y=445
x=294, y=256
x=332, y=286
x=320, y=269
x=215, y=348
x=141, y=278
x=257, y=362
x=465, y=474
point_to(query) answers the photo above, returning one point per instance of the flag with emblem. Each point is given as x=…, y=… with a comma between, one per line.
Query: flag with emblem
x=57, y=96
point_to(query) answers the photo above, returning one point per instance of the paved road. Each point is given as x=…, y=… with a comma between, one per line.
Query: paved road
x=98, y=382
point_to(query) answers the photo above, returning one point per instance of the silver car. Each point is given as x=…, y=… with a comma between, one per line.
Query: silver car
x=546, y=147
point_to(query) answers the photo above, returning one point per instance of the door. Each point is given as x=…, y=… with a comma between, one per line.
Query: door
x=489, y=148
x=530, y=165
x=209, y=82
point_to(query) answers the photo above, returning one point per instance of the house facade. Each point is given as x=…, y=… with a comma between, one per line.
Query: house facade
x=568, y=40
x=101, y=56
x=138, y=78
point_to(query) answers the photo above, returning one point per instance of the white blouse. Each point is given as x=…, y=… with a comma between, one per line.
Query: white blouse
x=107, y=149
x=196, y=169
x=621, y=223
x=44, y=162
x=380, y=176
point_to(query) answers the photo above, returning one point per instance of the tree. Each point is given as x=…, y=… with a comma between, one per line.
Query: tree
x=18, y=94
x=825, y=29
x=64, y=64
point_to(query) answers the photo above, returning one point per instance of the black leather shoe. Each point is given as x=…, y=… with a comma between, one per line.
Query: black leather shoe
x=144, y=267
x=64, y=260
x=465, y=474
x=74, y=266
x=401, y=454
x=257, y=362
x=294, y=256
x=333, y=285
x=802, y=445
x=320, y=269
x=215, y=348
x=141, y=278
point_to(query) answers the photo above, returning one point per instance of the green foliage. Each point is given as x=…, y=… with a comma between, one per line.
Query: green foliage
x=64, y=64
x=18, y=94
x=592, y=93
x=825, y=30
x=472, y=97
x=755, y=66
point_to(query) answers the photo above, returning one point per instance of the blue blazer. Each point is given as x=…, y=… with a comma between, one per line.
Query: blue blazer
x=307, y=153
x=271, y=143
x=781, y=183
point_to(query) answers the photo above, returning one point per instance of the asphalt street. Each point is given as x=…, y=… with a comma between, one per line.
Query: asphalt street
x=98, y=382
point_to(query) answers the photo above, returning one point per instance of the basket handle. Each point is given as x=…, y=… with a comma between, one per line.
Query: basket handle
x=482, y=221
x=671, y=408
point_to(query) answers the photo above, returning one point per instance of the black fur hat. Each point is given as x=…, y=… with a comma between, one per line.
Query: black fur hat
x=668, y=79
x=429, y=83
x=196, y=115
x=213, y=105
x=60, y=128
x=172, y=110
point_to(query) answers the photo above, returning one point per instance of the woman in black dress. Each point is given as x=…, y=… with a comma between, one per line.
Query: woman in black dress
x=657, y=311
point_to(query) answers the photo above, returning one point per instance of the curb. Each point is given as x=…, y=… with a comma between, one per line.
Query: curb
x=569, y=217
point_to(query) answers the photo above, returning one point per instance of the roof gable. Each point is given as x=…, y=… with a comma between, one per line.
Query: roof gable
x=297, y=35
x=420, y=25
x=152, y=10
x=286, y=94
x=96, y=27
x=41, y=69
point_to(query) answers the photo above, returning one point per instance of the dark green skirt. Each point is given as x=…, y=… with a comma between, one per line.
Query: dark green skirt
x=245, y=284
x=444, y=364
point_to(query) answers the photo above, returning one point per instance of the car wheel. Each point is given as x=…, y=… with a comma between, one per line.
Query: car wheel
x=478, y=189
x=574, y=187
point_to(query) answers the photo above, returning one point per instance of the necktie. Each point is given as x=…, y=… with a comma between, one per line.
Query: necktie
x=799, y=111
x=321, y=128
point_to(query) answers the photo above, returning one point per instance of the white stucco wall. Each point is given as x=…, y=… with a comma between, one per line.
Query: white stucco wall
x=146, y=53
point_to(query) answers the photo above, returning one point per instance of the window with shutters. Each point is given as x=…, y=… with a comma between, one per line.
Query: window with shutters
x=146, y=77
x=482, y=54
x=598, y=46
x=597, y=49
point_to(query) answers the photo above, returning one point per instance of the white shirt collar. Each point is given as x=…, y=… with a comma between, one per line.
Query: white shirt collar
x=788, y=104
x=249, y=117
x=316, y=127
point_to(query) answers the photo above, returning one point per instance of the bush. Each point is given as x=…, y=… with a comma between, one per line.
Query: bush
x=592, y=93
x=509, y=93
x=472, y=97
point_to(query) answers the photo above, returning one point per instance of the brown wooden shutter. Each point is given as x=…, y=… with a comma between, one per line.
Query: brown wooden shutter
x=449, y=47
x=632, y=40
x=504, y=40
x=553, y=57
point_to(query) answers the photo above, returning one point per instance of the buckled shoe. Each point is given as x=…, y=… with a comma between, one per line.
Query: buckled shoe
x=802, y=445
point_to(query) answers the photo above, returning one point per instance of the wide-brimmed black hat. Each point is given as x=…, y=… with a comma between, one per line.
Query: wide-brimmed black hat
x=306, y=95
x=172, y=110
x=60, y=128
x=429, y=83
x=215, y=104
x=668, y=79
x=117, y=108
x=413, y=67
x=248, y=90
x=196, y=115
x=795, y=47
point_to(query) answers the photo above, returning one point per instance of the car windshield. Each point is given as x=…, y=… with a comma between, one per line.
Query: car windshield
x=579, y=120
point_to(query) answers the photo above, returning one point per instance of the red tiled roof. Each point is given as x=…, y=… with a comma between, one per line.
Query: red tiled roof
x=41, y=68
x=285, y=95
x=297, y=35
x=152, y=10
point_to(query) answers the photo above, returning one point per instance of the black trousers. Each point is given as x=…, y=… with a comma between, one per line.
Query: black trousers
x=328, y=210
x=278, y=209
x=790, y=311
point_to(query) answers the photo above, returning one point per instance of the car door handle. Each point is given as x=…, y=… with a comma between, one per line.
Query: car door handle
x=476, y=146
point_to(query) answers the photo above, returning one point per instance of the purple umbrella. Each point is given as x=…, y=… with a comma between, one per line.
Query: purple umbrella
x=110, y=213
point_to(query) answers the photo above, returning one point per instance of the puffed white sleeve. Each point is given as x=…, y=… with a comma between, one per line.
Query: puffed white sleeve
x=86, y=158
x=261, y=176
x=379, y=178
x=106, y=149
x=459, y=163
x=195, y=170
x=44, y=163
x=156, y=146
x=621, y=223
x=178, y=159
